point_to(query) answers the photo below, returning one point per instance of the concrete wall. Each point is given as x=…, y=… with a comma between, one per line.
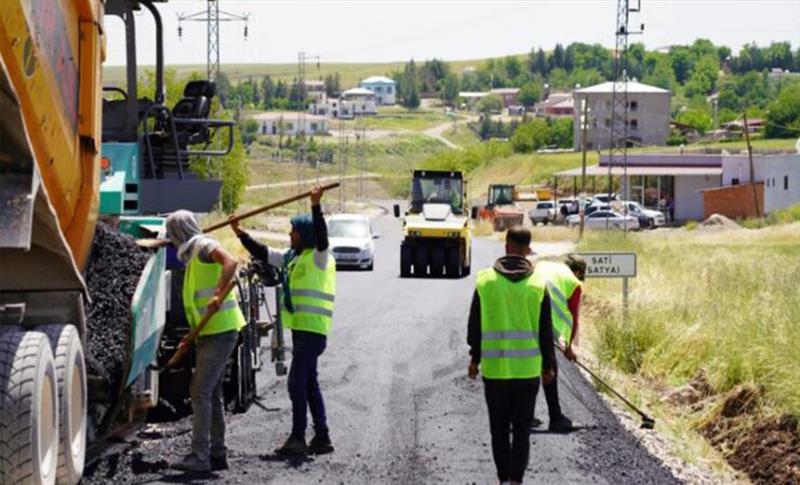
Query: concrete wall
x=651, y=115
x=782, y=182
x=735, y=201
x=688, y=198
x=384, y=93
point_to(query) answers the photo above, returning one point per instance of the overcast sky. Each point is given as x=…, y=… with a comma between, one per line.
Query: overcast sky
x=386, y=31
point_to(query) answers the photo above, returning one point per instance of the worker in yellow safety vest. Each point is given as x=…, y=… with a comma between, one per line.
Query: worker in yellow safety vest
x=510, y=335
x=309, y=288
x=564, y=283
x=209, y=269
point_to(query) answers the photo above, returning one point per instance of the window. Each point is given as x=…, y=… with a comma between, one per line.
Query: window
x=734, y=181
x=785, y=182
x=314, y=126
x=594, y=124
x=634, y=105
x=607, y=122
x=388, y=90
x=634, y=124
x=378, y=89
x=608, y=105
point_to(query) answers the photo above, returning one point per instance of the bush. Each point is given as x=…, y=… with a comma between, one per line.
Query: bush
x=530, y=136
x=676, y=139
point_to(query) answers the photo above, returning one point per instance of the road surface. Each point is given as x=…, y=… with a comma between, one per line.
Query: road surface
x=400, y=407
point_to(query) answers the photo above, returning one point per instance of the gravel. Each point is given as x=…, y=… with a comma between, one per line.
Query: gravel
x=115, y=266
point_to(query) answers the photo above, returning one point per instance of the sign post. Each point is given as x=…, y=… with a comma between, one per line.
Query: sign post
x=612, y=265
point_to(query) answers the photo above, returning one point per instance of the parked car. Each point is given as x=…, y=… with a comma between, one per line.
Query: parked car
x=603, y=199
x=351, y=241
x=648, y=218
x=566, y=207
x=544, y=211
x=607, y=218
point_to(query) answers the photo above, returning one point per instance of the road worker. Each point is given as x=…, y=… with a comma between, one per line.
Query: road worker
x=511, y=340
x=209, y=269
x=564, y=286
x=309, y=286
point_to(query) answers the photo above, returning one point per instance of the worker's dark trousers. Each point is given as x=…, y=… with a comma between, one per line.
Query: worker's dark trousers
x=510, y=403
x=551, y=396
x=303, y=384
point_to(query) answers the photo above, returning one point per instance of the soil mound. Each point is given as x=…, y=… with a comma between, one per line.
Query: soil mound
x=718, y=221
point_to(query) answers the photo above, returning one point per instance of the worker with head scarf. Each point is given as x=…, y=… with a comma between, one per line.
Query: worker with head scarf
x=209, y=270
x=309, y=286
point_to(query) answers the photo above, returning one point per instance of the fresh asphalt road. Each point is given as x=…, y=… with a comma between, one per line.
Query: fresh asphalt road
x=400, y=407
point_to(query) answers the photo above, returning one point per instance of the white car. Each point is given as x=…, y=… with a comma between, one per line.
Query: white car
x=647, y=217
x=543, y=211
x=603, y=199
x=607, y=218
x=351, y=240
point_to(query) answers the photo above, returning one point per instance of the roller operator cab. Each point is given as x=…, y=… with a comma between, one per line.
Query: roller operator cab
x=501, y=209
x=437, y=239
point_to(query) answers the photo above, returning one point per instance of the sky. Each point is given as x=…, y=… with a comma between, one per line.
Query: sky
x=388, y=31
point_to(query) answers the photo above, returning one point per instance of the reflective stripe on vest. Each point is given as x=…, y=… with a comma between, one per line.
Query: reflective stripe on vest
x=313, y=291
x=509, y=326
x=561, y=283
x=199, y=284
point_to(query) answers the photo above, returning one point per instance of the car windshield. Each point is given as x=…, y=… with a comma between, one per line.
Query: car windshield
x=501, y=195
x=355, y=229
x=545, y=205
x=441, y=190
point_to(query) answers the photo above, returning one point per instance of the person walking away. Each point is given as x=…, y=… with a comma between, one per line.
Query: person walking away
x=511, y=340
x=309, y=287
x=209, y=269
x=564, y=282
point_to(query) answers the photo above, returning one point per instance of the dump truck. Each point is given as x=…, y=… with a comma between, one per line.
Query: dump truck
x=437, y=236
x=73, y=151
x=501, y=209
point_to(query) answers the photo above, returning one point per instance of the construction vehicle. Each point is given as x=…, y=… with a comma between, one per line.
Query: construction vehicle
x=501, y=209
x=65, y=154
x=532, y=192
x=436, y=228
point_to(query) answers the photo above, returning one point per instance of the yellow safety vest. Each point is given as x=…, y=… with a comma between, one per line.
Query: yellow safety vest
x=313, y=291
x=199, y=284
x=510, y=326
x=561, y=283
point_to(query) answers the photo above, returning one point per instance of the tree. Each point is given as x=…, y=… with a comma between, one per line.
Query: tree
x=411, y=97
x=529, y=95
x=660, y=72
x=783, y=117
x=704, y=77
x=559, y=79
x=512, y=66
x=569, y=58
x=489, y=104
x=530, y=136
x=558, y=56
x=697, y=119
x=561, y=132
x=540, y=63
x=268, y=92
x=450, y=89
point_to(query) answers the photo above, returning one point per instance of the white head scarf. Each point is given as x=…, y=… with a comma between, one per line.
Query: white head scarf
x=184, y=231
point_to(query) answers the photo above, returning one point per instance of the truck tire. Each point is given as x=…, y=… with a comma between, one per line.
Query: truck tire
x=420, y=262
x=437, y=262
x=405, y=261
x=65, y=343
x=28, y=409
x=453, y=263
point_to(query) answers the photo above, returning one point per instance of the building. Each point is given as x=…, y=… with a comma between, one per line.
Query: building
x=385, y=89
x=555, y=106
x=289, y=123
x=648, y=115
x=353, y=102
x=508, y=95
x=315, y=91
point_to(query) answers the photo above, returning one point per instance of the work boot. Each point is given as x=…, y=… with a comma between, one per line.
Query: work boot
x=293, y=446
x=219, y=463
x=561, y=425
x=536, y=423
x=192, y=463
x=320, y=445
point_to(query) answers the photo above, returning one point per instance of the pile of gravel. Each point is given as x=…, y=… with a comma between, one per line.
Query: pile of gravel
x=115, y=266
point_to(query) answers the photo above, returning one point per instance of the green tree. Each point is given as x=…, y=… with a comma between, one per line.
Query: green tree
x=411, y=97
x=569, y=58
x=558, y=56
x=783, y=117
x=540, y=63
x=697, y=119
x=489, y=104
x=704, y=77
x=559, y=79
x=530, y=136
x=681, y=58
x=529, y=94
x=561, y=132
x=450, y=89
x=512, y=66
x=659, y=72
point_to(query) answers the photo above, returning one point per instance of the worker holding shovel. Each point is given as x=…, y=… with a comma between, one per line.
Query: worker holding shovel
x=211, y=308
x=309, y=286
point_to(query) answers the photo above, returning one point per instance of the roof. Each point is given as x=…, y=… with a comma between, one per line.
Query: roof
x=378, y=80
x=504, y=91
x=472, y=94
x=633, y=87
x=653, y=170
x=358, y=92
x=288, y=116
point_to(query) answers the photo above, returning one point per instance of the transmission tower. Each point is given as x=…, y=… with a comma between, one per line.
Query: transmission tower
x=300, y=85
x=618, y=144
x=212, y=16
x=343, y=153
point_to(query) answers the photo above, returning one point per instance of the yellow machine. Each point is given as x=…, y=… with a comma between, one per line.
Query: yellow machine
x=437, y=234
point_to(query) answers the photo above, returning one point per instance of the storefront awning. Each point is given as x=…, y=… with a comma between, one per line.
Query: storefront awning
x=594, y=170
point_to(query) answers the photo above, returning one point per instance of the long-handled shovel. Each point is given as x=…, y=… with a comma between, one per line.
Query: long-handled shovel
x=647, y=421
x=190, y=337
x=157, y=243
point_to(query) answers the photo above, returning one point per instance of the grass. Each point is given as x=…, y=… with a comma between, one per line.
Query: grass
x=722, y=301
x=461, y=135
x=782, y=216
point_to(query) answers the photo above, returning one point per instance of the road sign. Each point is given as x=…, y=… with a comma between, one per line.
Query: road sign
x=610, y=265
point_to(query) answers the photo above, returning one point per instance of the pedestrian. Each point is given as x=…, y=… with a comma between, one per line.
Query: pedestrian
x=671, y=209
x=209, y=269
x=511, y=340
x=309, y=286
x=564, y=286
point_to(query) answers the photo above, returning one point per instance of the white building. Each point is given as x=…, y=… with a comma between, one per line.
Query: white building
x=385, y=89
x=290, y=123
x=353, y=102
x=780, y=175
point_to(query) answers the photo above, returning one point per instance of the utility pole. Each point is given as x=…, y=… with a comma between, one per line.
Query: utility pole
x=300, y=86
x=212, y=16
x=752, y=167
x=584, y=124
x=618, y=144
x=343, y=149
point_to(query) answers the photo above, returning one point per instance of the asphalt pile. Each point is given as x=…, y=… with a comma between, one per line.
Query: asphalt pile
x=115, y=266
